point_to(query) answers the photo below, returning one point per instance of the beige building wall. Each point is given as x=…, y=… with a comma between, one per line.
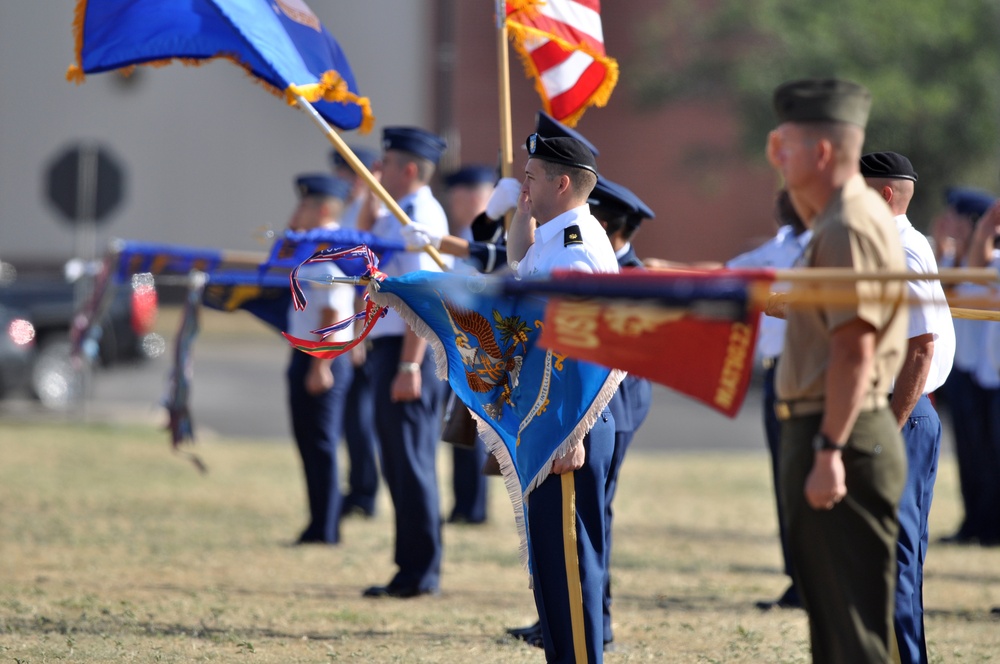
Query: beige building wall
x=210, y=155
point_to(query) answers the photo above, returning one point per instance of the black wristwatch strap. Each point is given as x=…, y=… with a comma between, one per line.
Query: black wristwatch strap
x=822, y=442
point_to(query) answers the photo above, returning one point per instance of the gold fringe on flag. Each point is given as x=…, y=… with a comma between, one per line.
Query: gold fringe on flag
x=520, y=32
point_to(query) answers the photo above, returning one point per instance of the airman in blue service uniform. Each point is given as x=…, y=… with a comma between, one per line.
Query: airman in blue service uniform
x=359, y=428
x=469, y=190
x=621, y=213
x=971, y=388
x=781, y=251
x=929, y=355
x=317, y=389
x=553, y=229
x=407, y=392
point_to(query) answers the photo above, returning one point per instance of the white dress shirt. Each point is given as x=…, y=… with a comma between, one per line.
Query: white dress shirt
x=550, y=251
x=780, y=252
x=422, y=207
x=932, y=316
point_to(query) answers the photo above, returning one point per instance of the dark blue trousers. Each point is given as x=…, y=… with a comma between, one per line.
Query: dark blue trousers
x=922, y=438
x=977, y=449
x=772, y=431
x=634, y=399
x=408, y=432
x=468, y=482
x=317, y=422
x=362, y=442
x=568, y=586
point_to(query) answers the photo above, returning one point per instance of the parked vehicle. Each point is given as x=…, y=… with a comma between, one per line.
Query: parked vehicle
x=51, y=301
x=17, y=345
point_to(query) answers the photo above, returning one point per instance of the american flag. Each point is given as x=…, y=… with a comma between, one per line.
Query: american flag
x=561, y=44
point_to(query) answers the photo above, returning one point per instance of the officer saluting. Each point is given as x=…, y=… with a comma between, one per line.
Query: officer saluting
x=838, y=437
x=553, y=229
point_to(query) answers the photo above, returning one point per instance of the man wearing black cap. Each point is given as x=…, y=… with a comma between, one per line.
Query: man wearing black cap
x=317, y=388
x=929, y=353
x=407, y=392
x=843, y=465
x=555, y=230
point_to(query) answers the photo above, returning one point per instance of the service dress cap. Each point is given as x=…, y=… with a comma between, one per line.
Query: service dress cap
x=969, y=202
x=887, y=166
x=366, y=156
x=470, y=176
x=561, y=150
x=549, y=127
x=321, y=184
x=822, y=100
x=415, y=141
x=642, y=212
x=613, y=198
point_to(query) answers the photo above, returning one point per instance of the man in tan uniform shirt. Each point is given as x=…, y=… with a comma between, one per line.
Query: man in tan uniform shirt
x=843, y=464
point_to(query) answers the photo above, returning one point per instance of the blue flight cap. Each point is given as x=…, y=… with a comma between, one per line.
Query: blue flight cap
x=415, y=141
x=620, y=200
x=969, y=202
x=612, y=197
x=470, y=176
x=321, y=184
x=549, y=127
x=366, y=156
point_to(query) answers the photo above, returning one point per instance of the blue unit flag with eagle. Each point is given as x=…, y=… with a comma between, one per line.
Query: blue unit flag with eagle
x=530, y=404
x=279, y=42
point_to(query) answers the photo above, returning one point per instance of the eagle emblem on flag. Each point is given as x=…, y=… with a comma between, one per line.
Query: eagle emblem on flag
x=491, y=363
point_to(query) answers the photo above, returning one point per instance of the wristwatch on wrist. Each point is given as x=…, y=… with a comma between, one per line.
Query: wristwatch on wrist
x=409, y=367
x=822, y=442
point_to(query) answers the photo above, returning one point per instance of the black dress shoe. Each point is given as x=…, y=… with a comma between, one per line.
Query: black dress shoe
x=356, y=511
x=961, y=536
x=302, y=540
x=788, y=600
x=523, y=633
x=398, y=592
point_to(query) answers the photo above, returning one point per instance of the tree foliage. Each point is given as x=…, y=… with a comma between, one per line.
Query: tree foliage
x=933, y=68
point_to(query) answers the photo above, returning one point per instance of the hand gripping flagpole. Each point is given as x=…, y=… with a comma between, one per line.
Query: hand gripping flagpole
x=365, y=174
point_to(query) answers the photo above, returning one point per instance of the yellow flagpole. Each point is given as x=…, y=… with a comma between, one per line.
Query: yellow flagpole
x=503, y=81
x=841, y=275
x=359, y=168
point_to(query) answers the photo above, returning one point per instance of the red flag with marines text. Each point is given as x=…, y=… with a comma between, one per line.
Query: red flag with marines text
x=561, y=43
x=694, y=332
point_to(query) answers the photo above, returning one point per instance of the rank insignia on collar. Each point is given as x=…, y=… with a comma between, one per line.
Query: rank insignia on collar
x=571, y=235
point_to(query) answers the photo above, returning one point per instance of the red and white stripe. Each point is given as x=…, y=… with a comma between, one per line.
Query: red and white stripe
x=562, y=43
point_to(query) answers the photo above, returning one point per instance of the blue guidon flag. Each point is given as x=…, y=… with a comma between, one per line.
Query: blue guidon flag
x=279, y=42
x=530, y=403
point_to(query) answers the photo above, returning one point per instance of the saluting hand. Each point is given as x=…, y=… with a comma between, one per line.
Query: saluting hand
x=826, y=484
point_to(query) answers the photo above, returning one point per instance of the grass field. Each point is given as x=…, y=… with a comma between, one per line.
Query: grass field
x=114, y=550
